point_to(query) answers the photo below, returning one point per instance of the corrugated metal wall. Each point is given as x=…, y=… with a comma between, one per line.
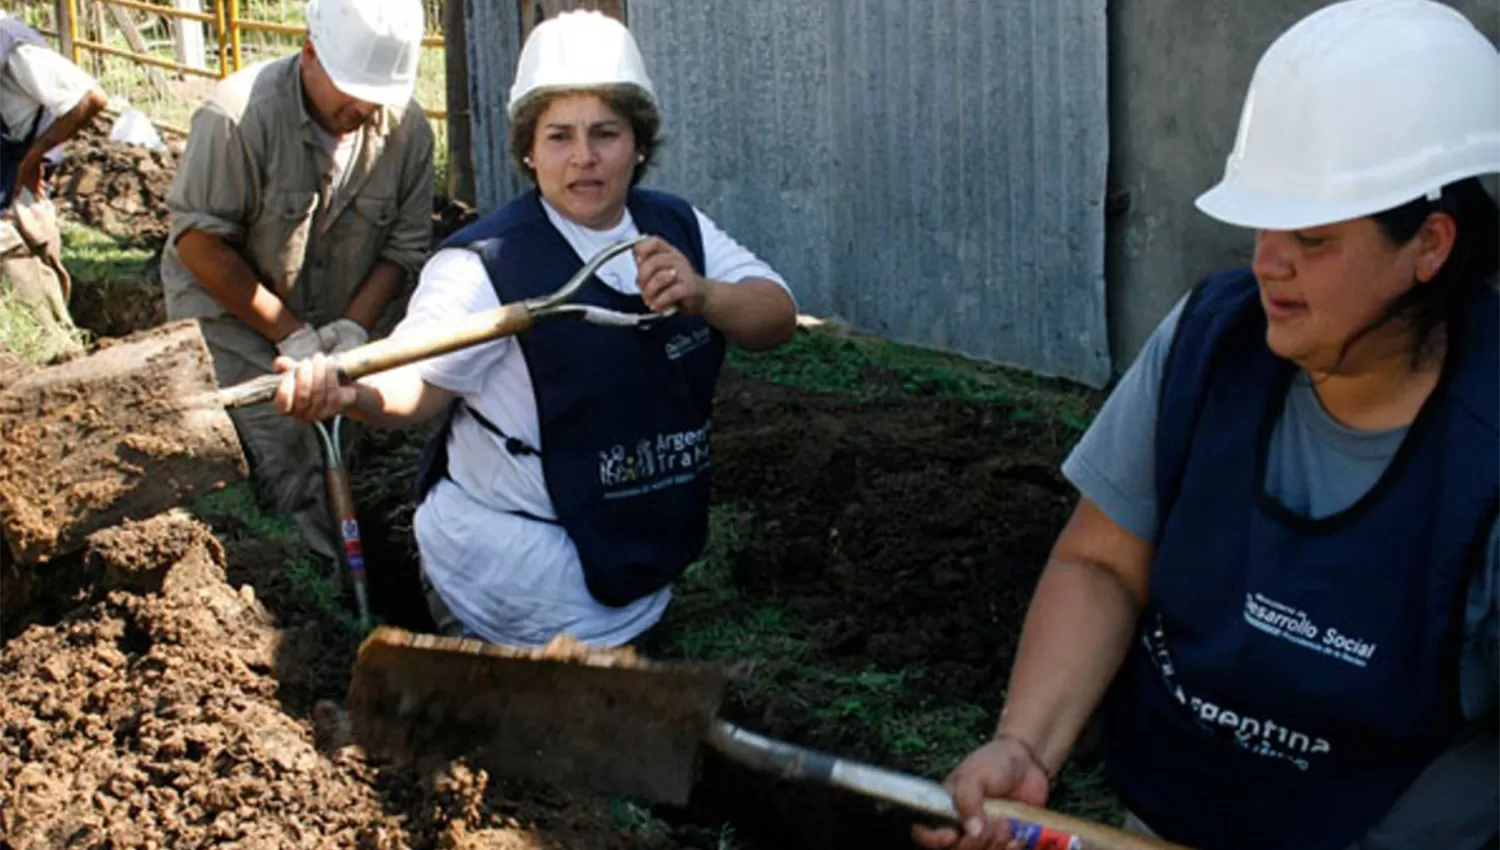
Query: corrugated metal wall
x=930, y=172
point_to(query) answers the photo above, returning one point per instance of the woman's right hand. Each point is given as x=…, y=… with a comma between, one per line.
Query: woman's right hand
x=1003, y=768
x=310, y=389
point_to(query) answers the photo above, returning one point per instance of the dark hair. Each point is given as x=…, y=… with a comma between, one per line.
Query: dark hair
x=628, y=102
x=1429, y=307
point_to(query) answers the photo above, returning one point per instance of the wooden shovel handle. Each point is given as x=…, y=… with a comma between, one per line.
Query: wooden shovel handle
x=912, y=792
x=1095, y=836
x=390, y=353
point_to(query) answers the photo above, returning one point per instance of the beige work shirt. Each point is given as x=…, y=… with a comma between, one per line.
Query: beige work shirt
x=256, y=174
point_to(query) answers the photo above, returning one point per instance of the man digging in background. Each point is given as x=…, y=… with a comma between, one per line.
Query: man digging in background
x=300, y=207
x=44, y=101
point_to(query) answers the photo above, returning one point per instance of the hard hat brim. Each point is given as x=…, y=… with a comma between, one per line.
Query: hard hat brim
x=542, y=92
x=1233, y=203
x=1241, y=207
x=394, y=95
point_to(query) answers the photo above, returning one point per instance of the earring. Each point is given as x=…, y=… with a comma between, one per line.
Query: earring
x=526, y=160
x=640, y=158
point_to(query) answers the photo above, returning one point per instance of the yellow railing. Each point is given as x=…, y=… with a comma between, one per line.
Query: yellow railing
x=227, y=24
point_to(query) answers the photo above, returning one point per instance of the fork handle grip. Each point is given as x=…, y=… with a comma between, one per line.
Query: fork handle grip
x=392, y=352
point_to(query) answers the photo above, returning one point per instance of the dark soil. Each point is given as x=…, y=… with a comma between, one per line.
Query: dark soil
x=910, y=529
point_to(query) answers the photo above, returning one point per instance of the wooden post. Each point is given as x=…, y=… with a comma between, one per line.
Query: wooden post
x=133, y=38
x=64, y=18
x=189, y=35
x=534, y=12
x=460, y=149
x=98, y=35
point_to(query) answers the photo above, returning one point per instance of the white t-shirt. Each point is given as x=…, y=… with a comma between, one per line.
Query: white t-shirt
x=36, y=78
x=342, y=149
x=509, y=579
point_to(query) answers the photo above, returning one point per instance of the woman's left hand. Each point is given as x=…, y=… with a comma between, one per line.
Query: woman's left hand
x=666, y=279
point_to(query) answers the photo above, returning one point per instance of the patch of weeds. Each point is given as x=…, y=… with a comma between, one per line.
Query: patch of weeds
x=26, y=336
x=116, y=284
x=635, y=821
x=1084, y=791
x=238, y=503
x=917, y=734
x=759, y=635
x=315, y=588
x=841, y=361
x=95, y=256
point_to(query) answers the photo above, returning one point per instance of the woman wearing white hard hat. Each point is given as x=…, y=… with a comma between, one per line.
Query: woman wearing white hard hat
x=568, y=485
x=1279, y=586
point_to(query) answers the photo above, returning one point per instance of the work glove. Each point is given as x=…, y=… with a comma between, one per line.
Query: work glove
x=342, y=335
x=300, y=344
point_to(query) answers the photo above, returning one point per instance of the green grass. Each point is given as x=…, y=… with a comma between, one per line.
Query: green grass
x=318, y=592
x=95, y=256
x=26, y=336
x=634, y=820
x=840, y=361
x=774, y=656
x=1085, y=792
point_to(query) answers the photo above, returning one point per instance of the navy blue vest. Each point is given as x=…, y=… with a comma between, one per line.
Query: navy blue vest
x=1293, y=676
x=624, y=412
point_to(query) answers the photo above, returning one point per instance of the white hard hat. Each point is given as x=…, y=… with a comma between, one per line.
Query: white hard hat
x=369, y=48
x=1361, y=107
x=575, y=50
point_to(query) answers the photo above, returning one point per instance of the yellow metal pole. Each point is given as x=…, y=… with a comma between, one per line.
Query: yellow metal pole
x=219, y=30
x=234, y=30
x=72, y=6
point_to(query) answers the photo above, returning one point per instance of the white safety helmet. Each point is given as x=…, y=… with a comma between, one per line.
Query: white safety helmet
x=369, y=48
x=1360, y=107
x=576, y=50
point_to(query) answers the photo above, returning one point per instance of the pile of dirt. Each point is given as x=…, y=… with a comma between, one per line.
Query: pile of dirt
x=167, y=713
x=912, y=528
x=119, y=189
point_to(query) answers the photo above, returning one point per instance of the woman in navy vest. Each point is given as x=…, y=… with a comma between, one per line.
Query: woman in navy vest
x=1278, y=589
x=569, y=483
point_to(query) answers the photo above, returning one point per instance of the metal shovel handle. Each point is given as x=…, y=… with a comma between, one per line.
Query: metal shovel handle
x=910, y=792
x=506, y=320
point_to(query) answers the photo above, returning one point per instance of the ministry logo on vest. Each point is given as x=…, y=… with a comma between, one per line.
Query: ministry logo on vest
x=654, y=463
x=1296, y=627
x=682, y=344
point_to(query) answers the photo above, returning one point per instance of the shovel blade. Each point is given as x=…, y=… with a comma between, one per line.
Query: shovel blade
x=596, y=721
x=124, y=433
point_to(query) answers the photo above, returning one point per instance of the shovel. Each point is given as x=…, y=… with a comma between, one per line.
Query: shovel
x=608, y=722
x=133, y=428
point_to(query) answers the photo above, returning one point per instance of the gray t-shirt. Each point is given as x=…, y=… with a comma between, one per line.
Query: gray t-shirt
x=1317, y=467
